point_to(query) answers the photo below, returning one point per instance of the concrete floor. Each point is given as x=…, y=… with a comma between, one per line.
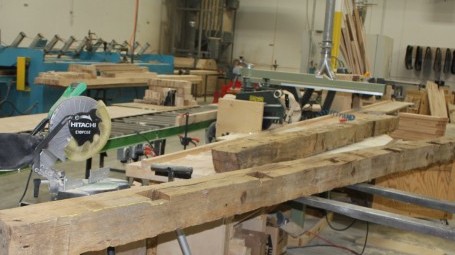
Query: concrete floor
x=382, y=240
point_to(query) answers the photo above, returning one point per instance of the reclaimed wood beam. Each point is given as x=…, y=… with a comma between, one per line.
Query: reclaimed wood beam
x=116, y=218
x=288, y=144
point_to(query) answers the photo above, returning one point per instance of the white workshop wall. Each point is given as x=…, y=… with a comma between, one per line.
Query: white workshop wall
x=414, y=22
x=278, y=29
x=109, y=19
x=269, y=30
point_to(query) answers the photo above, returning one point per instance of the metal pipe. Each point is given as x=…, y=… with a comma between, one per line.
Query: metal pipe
x=36, y=40
x=324, y=65
x=182, y=242
x=144, y=48
x=68, y=44
x=406, y=197
x=381, y=217
x=52, y=43
x=18, y=40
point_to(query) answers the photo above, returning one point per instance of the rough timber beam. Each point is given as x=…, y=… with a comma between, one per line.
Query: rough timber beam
x=93, y=223
x=288, y=144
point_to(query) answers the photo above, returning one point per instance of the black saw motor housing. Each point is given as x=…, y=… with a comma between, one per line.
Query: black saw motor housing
x=84, y=126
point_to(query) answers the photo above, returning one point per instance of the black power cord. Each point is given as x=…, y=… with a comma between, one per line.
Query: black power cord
x=26, y=187
x=339, y=229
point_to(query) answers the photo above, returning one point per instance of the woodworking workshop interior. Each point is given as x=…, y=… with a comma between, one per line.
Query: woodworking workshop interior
x=227, y=127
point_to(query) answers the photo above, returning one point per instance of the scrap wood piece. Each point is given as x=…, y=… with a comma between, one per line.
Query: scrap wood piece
x=416, y=126
x=121, y=67
x=271, y=146
x=437, y=100
x=90, y=69
x=239, y=116
x=386, y=107
x=95, y=222
x=451, y=109
x=196, y=117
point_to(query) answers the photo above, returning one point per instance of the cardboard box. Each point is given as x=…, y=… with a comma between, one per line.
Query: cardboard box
x=255, y=240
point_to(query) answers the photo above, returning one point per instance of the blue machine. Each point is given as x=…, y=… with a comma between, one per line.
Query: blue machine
x=40, y=57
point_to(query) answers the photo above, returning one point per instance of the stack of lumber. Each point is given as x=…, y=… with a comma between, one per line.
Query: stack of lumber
x=209, y=80
x=191, y=63
x=159, y=88
x=416, y=126
x=353, y=40
x=436, y=182
x=98, y=76
x=420, y=100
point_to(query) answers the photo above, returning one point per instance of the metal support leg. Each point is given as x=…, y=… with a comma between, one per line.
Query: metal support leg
x=182, y=242
x=102, y=156
x=110, y=250
x=381, y=217
x=404, y=196
x=88, y=166
x=328, y=101
x=306, y=97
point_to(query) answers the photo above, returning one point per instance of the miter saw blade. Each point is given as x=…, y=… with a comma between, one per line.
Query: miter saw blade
x=86, y=132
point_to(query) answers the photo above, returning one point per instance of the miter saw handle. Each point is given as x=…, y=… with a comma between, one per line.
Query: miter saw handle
x=71, y=91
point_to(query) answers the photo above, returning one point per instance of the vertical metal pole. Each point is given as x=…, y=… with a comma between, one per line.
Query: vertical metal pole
x=324, y=65
x=182, y=242
x=88, y=166
x=134, y=31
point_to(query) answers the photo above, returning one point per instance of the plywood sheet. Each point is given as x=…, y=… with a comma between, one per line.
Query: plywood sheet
x=436, y=182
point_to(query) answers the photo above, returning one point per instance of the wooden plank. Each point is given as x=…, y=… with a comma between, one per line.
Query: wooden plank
x=95, y=222
x=153, y=108
x=451, y=111
x=271, y=146
x=83, y=68
x=144, y=75
x=188, y=63
x=26, y=123
x=311, y=233
x=123, y=67
x=386, y=107
x=239, y=116
x=196, y=117
x=98, y=83
x=437, y=100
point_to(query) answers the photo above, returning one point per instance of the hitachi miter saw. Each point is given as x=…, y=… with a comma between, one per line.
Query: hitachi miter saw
x=76, y=128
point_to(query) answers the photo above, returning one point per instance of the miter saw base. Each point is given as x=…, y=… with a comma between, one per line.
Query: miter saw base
x=99, y=182
x=106, y=185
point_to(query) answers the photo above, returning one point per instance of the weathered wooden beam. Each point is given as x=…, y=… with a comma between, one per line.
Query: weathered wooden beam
x=111, y=219
x=275, y=146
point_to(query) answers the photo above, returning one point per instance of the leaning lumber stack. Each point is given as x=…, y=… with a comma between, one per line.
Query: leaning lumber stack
x=159, y=89
x=353, y=40
x=433, y=100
